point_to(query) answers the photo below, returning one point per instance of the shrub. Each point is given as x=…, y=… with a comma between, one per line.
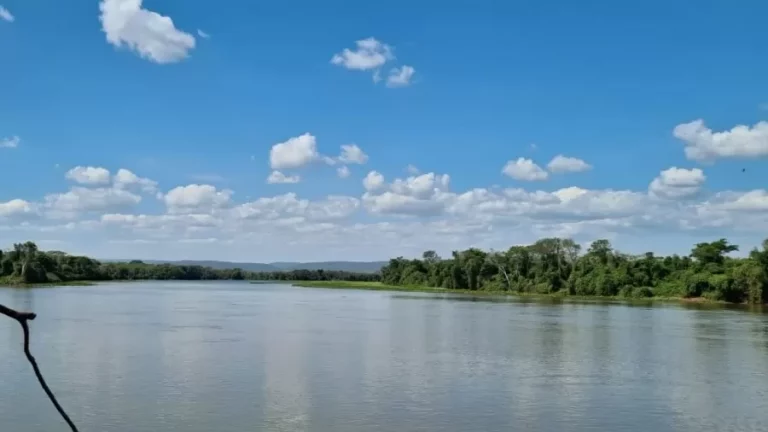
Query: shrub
x=642, y=292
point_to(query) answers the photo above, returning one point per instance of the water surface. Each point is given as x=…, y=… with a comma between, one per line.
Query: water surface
x=216, y=356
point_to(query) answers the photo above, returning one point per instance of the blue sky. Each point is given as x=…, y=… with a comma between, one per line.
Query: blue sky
x=190, y=98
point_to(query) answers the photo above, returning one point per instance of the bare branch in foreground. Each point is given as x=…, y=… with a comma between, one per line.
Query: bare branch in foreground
x=22, y=318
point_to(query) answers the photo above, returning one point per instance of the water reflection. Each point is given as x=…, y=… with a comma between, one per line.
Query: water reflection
x=234, y=357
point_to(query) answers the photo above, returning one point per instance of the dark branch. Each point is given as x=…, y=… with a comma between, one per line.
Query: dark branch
x=22, y=318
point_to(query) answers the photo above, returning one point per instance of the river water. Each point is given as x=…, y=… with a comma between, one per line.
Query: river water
x=220, y=357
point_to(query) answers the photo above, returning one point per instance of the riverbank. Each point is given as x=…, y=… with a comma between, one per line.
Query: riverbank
x=10, y=283
x=378, y=286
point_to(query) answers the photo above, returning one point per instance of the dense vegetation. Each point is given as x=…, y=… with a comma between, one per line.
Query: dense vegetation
x=26, y=264
x=548, y=266
x=555, y=265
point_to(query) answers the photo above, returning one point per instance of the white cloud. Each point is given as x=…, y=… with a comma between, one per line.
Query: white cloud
x=126, y=179
x=403, y=217
x=370, y=54
x=421, y=186
x=373, y=181
x=80, y=199
x=524, y=169
x=702, y=144
x=752, y=201
x=10, y=143
x=342, y=171
x=151, y=35
x=168, y=222
x=412, y=170
x=294, y=153
x=332, y=208
x=196, y=198
x=564, y=164
x=565, y=204
x=417, y=195
x=15, y=207
x=6, y=15
x=291, y=209
x=400, y=77
x=277, y=177
x=352, y=154
x=203, y=34
x=675, y=183
x=88, y=175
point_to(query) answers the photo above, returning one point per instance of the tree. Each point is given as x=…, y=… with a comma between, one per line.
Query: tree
x=712, y=253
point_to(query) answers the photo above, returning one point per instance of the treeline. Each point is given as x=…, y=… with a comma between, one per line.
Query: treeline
x=315, y=275
x=25, y=263
x=555, y=265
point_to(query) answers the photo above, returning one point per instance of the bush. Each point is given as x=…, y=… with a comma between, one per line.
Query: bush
x=750, y=280
x=543, y=288
x=641, y=292
x=713, y=295
x=696, y=284
x=672, y=288
x=723, y=287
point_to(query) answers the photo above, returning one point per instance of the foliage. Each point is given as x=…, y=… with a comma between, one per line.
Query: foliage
x=549, y=266
x=25, y=263
x=554, y=265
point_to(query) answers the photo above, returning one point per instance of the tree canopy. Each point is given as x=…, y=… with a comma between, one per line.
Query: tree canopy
x=555, y=265
x=551, y=265
x=25, y=263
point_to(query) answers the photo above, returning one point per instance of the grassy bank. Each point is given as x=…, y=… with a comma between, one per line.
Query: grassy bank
x=374, y=286
x=10, y=283
x=378, y=286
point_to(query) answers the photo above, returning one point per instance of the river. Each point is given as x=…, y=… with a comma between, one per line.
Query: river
x=229, y=356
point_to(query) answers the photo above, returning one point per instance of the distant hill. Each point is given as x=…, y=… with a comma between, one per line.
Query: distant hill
x=350, y=266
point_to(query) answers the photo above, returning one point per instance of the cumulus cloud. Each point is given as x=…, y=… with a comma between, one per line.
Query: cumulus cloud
x=369, y=54
x=89, y=175
x=277, y=177
x=562, y=205
x=412, y=170
x=196, y=198
x=163, y=221
x=704, y=145
x=401, y=217
x=125, y=179
x=203, y=34
x=675, y=183
x=751, y=201
x=292, y=209
x=294, y=153
x=373, y=181
x=417, y=195
x=151, y=35
x=563, y=164
x=15, y=207
x=352, y=154
x=10, y=143
x=372, y=55
x=6, y=15
x=79, y=199
x=525, y=170
x=342, y=172
x=400, y=76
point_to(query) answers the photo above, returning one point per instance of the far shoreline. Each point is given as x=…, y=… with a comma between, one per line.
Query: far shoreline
x=378, y=286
